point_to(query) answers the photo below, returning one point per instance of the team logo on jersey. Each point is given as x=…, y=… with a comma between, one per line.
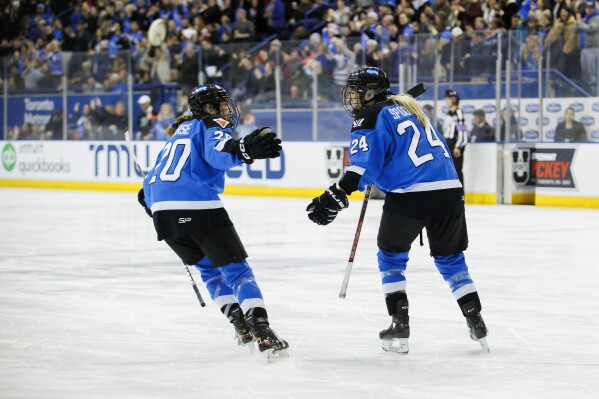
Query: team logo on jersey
x=358, y=122
x=222, y=122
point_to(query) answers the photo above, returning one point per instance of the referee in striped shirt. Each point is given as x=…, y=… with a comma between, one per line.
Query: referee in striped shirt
x=454, y=131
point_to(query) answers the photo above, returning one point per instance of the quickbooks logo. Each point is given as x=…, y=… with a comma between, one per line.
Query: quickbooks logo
x=9, y=157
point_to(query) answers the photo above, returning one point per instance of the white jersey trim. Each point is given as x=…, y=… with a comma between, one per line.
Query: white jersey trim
x=464, y=290
x=221, y=145
x=224, y=300
x=430, y=186
x=390, y=288
x=251, y=303
x=185, y=205
x=356, y=169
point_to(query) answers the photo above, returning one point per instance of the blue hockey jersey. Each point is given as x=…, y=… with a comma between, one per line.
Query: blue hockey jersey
x=390, y=148
x=182, y=188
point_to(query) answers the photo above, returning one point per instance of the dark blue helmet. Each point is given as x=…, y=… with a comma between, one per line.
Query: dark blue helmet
x=214, y=95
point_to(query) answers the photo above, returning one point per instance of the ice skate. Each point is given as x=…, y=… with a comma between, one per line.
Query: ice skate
x=243, y=335
x=395, y=337
x=476, y=325
x=268, y=341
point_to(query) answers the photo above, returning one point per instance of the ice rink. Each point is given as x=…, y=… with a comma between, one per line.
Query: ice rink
x=92, y=306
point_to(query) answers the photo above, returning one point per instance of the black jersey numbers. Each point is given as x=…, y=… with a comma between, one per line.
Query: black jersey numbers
x=358, y=144
x=431, y=136
x=173, y=159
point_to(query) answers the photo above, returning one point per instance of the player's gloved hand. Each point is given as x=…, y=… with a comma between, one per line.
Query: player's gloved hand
x=260, y=144
x=141, y=198
x=323, y=209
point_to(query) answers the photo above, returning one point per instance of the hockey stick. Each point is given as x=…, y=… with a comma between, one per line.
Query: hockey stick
x=193, y=283
x=195, y=287
x=415, y=91
x=354, y=246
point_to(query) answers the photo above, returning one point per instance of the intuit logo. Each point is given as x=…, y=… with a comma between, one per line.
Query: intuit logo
x=9, y=157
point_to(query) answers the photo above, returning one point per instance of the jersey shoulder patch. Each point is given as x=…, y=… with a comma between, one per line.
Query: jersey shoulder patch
x=222, y=122
x=216, y=121
x=366, y=118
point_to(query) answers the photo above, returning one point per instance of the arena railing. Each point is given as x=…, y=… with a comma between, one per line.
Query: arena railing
x=293, y=86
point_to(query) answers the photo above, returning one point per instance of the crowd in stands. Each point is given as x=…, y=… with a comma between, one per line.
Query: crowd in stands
x=94, y=43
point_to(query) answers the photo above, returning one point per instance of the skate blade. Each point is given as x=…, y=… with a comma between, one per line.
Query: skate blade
x=483, y=344
x=396, y=345
x=250, y=345
x=241, y=343
x=273, y=356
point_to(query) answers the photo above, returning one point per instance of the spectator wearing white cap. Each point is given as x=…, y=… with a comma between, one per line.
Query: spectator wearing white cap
x=459, y=47
x=145, y=118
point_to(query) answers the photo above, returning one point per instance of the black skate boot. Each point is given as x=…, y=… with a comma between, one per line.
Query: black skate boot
x=268, y=341
x=476, y=325
x=395, y=338
x=243, y=335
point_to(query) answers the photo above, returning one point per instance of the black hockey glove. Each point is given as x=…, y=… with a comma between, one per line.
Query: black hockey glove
x=260, y=144
x=141, y=198
x=323, y=210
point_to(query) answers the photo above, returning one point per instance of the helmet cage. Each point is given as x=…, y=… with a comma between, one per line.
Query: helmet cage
x=213, y=95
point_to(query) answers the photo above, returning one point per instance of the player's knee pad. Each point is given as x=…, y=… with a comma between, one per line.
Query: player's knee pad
x=392, y=266
x=207, y=271
x=451, y=265
x=240, y=278
x=392, y=260
x=219, y=291
x=455, y=273
x=236, y=274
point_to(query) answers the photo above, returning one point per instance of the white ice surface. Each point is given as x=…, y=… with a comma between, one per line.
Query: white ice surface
x=92, y=306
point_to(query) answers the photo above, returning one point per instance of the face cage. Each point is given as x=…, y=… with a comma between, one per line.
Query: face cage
x=230, y=103
x=235, y=114
x=352, y=95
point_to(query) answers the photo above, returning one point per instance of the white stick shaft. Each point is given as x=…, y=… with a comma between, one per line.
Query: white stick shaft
x=346, y=279
x=355, y=244
x=130, y=145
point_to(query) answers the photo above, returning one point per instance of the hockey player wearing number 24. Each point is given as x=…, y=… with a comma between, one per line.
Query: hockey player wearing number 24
x=394, y=145
x=181, y=194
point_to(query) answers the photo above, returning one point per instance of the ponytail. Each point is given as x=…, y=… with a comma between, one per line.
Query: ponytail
x=183, y=118
x=410, y=104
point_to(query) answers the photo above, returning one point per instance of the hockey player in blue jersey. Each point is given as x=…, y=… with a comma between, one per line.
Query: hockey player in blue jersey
x=181, y=194
x=394, y=145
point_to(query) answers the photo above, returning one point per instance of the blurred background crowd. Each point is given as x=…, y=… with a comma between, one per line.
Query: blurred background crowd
x=90, y=46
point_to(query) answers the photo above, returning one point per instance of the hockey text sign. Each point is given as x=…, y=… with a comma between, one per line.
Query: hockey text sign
x=543, y=167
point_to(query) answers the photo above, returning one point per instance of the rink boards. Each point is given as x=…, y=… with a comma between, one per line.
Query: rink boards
x=541, y=174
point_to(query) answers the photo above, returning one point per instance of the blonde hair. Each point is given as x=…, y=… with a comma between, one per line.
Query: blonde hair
x=410, y=104
x=183, y=118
